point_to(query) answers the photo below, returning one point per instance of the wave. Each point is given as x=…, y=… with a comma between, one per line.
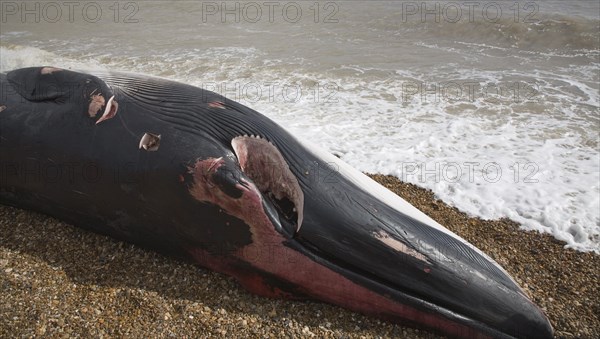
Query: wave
x=543, y=32
x=545, y=148
x=19, y=56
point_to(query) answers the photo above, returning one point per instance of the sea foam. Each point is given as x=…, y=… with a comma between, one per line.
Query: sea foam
x=533, y=161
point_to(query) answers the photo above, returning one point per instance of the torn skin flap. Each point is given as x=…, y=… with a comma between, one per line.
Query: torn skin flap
x=109, y=112
x=150, y=142
x=262, y=162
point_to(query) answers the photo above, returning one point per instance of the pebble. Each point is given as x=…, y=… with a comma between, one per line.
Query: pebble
x=62, y=291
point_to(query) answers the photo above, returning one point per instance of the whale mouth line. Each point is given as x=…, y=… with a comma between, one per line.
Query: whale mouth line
x=396, y=294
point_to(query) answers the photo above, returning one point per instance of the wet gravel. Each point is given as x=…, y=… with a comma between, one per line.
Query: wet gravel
x=60, y=281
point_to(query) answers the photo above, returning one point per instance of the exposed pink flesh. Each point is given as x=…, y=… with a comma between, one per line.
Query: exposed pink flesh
x=263, y=163
x=267, y=253
x=96, y=104
x=50, y=70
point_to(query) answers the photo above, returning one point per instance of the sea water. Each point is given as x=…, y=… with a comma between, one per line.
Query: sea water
x=493, y=105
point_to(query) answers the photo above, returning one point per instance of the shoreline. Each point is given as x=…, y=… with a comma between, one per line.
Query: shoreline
x=57, y=279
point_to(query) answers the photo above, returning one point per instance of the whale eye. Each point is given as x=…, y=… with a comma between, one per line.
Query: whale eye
x=262, y=162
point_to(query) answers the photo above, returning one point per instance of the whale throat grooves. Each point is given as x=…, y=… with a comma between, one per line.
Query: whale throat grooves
x=262, y=162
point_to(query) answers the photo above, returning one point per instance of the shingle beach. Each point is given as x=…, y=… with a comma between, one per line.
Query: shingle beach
x=57, y=280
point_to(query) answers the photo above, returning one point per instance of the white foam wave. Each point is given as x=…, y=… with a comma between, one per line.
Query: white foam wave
x=16, y=56
x=534, y=161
